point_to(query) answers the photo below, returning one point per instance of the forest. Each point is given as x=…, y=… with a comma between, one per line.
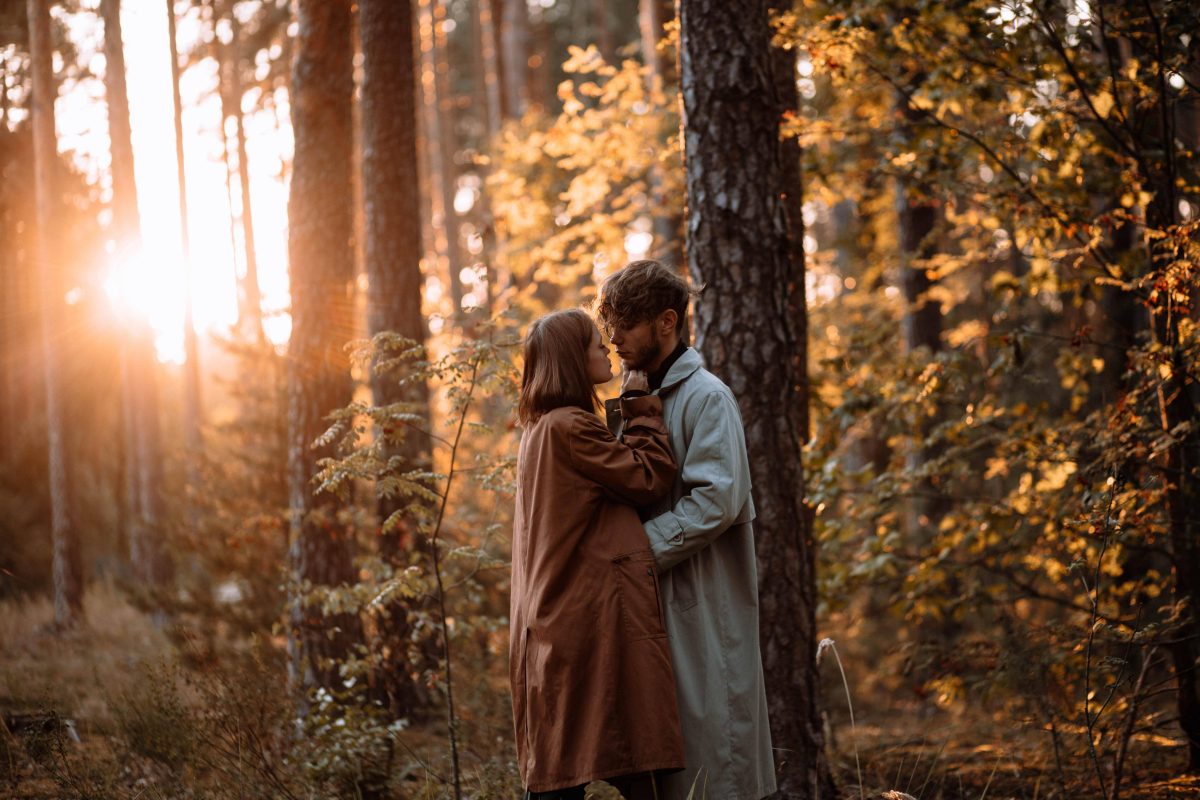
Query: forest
x=265, y=270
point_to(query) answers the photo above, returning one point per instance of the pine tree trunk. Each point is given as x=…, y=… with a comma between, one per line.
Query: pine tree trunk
x=321, y=268
x=392, y=250
x=1157, y=140
x=230, y=72
x=514, y=57
x=749, y=326
x=11, y=298
x=652, y=16
x=68, y=564
x=489, y=52
x=191, y=371
x=1178, y=410
x=150, y=561
x=447, y=146
x=916, y=217
x=487, y=77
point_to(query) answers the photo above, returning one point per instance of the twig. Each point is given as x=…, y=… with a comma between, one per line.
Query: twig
x=1130, y=723
x=437, y=572
x=1094, y=596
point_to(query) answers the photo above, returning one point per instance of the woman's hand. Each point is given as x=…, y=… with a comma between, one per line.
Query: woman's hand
x=634, y=380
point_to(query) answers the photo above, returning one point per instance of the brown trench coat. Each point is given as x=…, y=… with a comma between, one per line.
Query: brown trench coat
x=592, y=684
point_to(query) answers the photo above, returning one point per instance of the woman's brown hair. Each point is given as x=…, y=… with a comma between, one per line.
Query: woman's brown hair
x=555, y=373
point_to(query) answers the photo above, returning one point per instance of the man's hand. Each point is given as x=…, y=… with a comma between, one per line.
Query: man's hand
x=634, y=380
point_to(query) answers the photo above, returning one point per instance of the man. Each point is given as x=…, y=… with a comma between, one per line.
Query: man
x=702, y=539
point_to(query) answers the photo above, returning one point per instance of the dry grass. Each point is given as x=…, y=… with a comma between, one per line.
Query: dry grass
x=72, y=673
x=933, y=754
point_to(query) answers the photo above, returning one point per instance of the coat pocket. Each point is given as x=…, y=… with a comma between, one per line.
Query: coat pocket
x=637, y=586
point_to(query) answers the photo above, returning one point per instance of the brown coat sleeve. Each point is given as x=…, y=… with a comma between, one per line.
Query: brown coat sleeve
x=636, y=469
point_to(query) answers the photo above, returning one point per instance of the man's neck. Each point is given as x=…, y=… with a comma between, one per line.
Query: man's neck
x=658, y=372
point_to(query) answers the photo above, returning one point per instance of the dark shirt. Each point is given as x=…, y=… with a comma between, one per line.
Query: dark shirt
x=659, y=375
x=656, y=378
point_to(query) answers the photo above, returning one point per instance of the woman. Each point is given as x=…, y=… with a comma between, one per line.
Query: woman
x=592, y=685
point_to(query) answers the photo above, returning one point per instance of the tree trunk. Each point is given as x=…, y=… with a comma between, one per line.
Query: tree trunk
x=668, y=223
x=652, y=16
x=486, y=97
x=1178, y=412
x=1157, y=140
x=490, y=57
x=603, y=33
x=392, y=250
x=230, y=76
x=514, y=58
x=321, y=268
x=447, y=149
x=191, y=375
x=151, y=563
x=749, y=326
x=68, y=564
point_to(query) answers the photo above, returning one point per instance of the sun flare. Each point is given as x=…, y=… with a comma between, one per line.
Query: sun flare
x=154, y=285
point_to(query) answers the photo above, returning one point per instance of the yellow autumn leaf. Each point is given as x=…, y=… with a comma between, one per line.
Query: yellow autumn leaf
x=966, y=332
x=921, y=100
x=1103, y=102
x=1054, y=475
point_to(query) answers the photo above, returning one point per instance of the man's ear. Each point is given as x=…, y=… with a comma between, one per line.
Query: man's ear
x=667, y=321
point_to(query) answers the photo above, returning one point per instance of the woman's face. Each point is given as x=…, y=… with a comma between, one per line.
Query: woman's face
x=599, y=368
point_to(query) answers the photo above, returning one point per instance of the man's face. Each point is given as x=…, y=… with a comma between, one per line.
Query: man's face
x=638, y=345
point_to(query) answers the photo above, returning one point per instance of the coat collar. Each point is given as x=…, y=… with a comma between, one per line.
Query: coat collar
x=682, y=369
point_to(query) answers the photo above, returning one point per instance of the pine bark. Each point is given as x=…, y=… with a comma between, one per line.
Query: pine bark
x=490, y=58
x=652, y=16
x=750, y=328
x=230, y=69
x=916, y=218
x=191, y=370
x=392, y=255
x=321, y=269
x=514, y=57
x=1179, y=415
x=1158, y=142
x=143, y=445
x=68, y=563
x=447, y=148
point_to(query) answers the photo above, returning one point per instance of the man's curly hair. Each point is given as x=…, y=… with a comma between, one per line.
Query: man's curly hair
x=641, y=291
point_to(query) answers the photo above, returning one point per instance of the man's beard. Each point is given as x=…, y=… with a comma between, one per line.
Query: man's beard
x=643, y=358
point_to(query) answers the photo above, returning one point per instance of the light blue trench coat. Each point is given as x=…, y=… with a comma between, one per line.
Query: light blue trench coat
x=703, y=542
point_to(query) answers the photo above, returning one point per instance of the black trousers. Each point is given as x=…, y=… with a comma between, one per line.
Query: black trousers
x=573, y=793
x=632, y=787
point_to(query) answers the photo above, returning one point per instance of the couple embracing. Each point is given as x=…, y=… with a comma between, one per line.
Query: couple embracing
x=634, y=653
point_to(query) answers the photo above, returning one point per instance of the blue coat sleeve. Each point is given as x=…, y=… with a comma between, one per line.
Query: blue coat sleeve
x=716, y=484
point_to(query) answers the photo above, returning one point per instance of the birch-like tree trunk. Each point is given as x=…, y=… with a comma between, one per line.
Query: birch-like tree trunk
x=750, y=328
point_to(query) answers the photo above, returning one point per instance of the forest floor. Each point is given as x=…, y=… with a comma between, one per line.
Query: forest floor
x=924, y=751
